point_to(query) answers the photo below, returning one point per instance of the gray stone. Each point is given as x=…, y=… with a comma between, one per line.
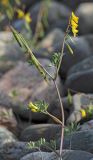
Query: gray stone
x=80, y=140
x=67, y=155
x=10, y=52
x=29, y=3
x=81, y=50
x=73, y=5
x=35, y=132
x=54, y=37
x=61, y=14
x=6, y=36
x=82, y=67
x=86, y=126
x=14, y=150
x=46, y=47
x=7, y=119
x=78, y=74
x=85, y=16
x=40, y=155
x=24, y=84
x=5, y=68
x=89, y=39
x=76, y=155
x=6, y=136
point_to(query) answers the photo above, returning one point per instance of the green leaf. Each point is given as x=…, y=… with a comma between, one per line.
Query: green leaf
x=71, y=128
x=70, y=49
x=69, y=96
x=24, y=45
x=69, y=37
x=55, y=59
x=42, y=142
x=17, y=37
x=43, y=106
x=36, y=144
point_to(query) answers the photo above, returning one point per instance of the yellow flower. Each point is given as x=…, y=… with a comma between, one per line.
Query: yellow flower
x=83, y=113
x=27, y=18
x=4, y=2
x=74, y=24
x=74, y=17
x=24, y=16
x=75, y=31
x=20, y=13
x=33, y=107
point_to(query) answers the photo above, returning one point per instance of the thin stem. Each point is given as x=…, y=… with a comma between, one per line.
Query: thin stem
x=55, y=118
x=62, y=50
x=51, y=150
x=39, y=64
x=62, y=112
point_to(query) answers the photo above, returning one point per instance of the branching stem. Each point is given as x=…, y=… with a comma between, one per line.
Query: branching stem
x=55, y=119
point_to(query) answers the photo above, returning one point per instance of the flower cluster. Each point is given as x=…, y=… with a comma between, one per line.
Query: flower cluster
x=83, y=113
x=74, y=24
x=39, y=106
x=22, y=15
x=33, y=107
x=87, y=111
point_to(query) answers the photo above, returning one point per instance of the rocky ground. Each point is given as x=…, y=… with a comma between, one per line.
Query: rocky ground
x=21, y=83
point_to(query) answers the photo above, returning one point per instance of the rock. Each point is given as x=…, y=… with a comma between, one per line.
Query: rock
x=83, y=66
x=85, y=16
x=86, y=126
x=81, y=50
x=7, y=119
x=4, y=24
x=89, y=39
x=68, y=155
x=56, y=110
x=80, y=101
x=29, y=3
x=10, y=52
x=46, y=48
x=61, y=14
x=24, y=84
x=76, y=155
x=35, y=132
x=5, y=68
x=75, y=3
x=54, y=37
x=80, y=140
x=6, y=36
x=8, y=45
x=77, y=75
x=6, y=136
x=40, y=155
x=77, y=80
x=14, y=150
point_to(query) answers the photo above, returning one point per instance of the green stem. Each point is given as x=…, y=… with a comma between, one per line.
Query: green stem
x=62, y=50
